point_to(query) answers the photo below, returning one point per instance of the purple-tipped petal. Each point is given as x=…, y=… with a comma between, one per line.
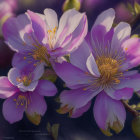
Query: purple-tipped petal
x=121, y=32
x=109, y=113
x=92, y=66
x=37, y=104
x=78, y=35
x=71, y=74
x=6, y=88
x=14, y=31
x=46, y=88
x=80, y=111
x=105, y=19
x=68, y=23
x=38, y=25
x=12, y=113
x=51, y=19
x=132, y=49
x=79, y=57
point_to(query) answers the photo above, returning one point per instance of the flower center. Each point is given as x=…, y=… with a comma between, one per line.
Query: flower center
x=51, y=37
x=22, y=100
x=26, y=80
x=109, y=70
x=40, y=53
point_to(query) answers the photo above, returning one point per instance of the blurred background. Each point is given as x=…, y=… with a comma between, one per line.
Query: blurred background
x=83, y=128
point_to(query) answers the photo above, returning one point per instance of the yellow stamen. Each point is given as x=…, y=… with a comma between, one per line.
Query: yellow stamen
x=22, y=100
x=109, y=70
x=40, y=53
x=51, y=34
x=26, y=80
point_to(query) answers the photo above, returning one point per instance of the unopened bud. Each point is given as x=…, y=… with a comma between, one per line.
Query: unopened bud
x=136, y=126
x=70, y=4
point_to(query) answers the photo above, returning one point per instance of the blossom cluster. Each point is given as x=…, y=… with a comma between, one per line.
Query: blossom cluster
x=92, y=64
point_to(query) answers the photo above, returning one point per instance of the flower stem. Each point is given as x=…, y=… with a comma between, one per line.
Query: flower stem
x=130, y=109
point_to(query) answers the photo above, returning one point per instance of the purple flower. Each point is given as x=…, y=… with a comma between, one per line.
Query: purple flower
x=17, y=101
x=37, y=38
x=101, y=68
x=26, y=78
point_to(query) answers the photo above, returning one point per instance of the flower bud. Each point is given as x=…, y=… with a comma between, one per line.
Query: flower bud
x=69, y=4
x=35, y=118
x=136, y=126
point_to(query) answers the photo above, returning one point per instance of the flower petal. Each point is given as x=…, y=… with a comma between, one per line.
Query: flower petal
x=46, y=88
x=31, y=87
x=37, y=105
x=6, y=88
x=13, y=74
x=109, y=113
x=79, y=112
x=92, y=66
x=68, y=23
x=77, y=98
x=71, y=74
x=132, y=49
x=11, y=112
x=15, y=30
x=38, y=26
x=51, y=19
x=105, y=19
x=121, y=32
x=79, y=60
x=77, y=36
x=131, y=81
x=125, y=93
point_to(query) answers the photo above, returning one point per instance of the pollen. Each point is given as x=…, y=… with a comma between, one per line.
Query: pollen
x=40, y=53
x=51, y=35
x=26, y=80
x=22, y=100
x=109, y=69
x=126, y=49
